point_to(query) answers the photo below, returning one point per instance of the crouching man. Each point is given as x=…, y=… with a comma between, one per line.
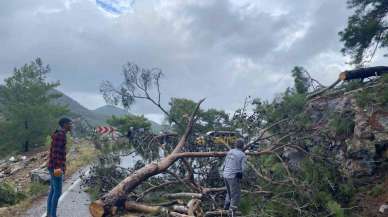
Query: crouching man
x=233, y=171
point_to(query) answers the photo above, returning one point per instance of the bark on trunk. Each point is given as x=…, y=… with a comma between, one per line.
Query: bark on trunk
x=180, y=208
x=138, y=207
x=363, y=73
x=183, y=195
x=195, y=208
x=175, y=214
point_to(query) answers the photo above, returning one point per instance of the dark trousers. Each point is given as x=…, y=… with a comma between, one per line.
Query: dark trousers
x=55, y=193
x=233, y=193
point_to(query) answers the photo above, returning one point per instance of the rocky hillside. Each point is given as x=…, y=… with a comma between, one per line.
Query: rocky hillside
x=353, y=125
x=358, y=124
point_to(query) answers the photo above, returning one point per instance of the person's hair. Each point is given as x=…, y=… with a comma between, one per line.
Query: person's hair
x=64, y=121
x=239, y=143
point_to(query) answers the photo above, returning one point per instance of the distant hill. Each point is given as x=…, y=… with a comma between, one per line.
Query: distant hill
x=77, y=110
x=99, y=115
x=109, y=110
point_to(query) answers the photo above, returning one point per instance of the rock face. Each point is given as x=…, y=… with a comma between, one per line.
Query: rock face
x=364, y=140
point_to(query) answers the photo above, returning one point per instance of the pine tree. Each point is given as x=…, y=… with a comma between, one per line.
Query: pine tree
x=27, y=106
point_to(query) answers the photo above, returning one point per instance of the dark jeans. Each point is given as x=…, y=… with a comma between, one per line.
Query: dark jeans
x=233, y=190
x=55, y=193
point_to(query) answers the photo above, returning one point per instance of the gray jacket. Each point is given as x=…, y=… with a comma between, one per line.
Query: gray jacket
x=234, y=163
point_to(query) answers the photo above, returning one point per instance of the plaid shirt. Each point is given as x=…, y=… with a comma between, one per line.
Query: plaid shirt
x=57, y=157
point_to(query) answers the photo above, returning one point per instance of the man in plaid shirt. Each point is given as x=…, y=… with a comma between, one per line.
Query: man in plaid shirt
x=57, y=165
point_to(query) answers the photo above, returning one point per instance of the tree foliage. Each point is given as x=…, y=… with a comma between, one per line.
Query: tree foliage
x=295, y=172
x=27, y=106
x=301, y=81
x=207, y=120
x=128, y=122
x=366, y=29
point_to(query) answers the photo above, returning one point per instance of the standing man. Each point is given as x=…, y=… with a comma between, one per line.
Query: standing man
x=233, y=171
x=57, y=165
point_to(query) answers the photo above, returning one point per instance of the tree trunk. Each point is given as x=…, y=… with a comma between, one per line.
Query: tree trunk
x=175, y=214
x=363, y=73
x=195, y=208
x=26, y=143
x=138, y=207
x=183, y=195
x=180, y=208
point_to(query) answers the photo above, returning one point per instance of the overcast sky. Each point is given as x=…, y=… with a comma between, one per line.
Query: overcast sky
x=219, y=49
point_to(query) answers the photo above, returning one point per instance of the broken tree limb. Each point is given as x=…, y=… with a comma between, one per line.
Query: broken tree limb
x=138, y=207
x=155, y=188
x=263, y=132
x=190, y=175
x=180, y=208
x=217, y=154
x=223, y=189
x=183, y=195
x=219, y=213
x=175, y=214
x=185, y=183
x=321, y=91
x=118, y=194
x=169, y=203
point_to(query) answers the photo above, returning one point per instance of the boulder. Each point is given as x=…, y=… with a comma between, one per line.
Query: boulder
x=13, y=159
x=40, y=175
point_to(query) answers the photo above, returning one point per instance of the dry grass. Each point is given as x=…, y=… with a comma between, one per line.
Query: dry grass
x=83, y=154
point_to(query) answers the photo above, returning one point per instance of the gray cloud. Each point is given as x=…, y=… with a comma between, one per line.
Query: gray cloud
x=219, y=49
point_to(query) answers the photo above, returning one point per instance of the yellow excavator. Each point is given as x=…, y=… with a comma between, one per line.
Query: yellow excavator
x=218, y=138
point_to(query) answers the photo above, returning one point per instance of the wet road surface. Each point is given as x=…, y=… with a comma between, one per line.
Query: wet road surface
x=74, y=202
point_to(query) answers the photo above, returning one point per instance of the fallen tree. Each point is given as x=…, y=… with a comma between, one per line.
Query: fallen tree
x=118, y=194
x=195, y=174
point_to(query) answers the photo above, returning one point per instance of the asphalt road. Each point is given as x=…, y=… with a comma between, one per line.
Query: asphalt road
x=74, y=202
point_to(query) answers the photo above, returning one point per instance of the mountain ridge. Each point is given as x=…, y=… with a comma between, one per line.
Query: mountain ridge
x=97, y=116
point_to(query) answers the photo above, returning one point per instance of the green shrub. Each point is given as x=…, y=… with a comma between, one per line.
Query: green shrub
x=378, y=95
x=93, y=192
x=342, y=123
x=346, y=192
x=247, y=205
x=382, y=97
x=385, y=78
x=37, y=189
x=352, y=85
x=9, y=195
x=376, y=191
x=335, y=209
